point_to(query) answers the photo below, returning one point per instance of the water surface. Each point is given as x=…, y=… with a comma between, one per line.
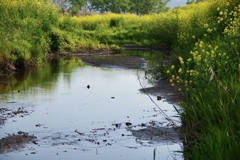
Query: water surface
x=71, y=121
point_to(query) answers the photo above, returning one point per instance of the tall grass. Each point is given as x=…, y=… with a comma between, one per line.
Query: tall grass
x=210, y=74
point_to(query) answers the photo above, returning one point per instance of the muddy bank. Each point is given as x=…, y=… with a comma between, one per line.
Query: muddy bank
x=156, y=134
x=145, y=133
x=162, y=89
x=16, y=142
x=6, y=68
x=115, y=61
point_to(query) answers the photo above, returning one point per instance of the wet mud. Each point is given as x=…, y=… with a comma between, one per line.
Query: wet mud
x=16, y=142
x=118, y=61
x=162, y=89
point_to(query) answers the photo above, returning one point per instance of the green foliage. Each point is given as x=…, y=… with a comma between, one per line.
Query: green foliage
x=209, y=76
x=76, y=6
x=139, y=7
x=24, y=28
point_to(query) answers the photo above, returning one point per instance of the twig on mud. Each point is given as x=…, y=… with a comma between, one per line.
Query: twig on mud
x=164, y=114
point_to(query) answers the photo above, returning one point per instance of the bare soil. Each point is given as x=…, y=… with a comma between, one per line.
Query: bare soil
x=115, y=61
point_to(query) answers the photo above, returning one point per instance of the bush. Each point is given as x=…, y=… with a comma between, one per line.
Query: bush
x=25, y=26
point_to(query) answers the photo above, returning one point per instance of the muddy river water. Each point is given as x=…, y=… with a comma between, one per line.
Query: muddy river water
x=88, y=113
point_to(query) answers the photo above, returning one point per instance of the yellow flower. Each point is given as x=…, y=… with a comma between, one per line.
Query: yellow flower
x=179, y=70
x=168, y=71
x=179, y=89
x=181, y=60
x=199, y=58
x=205, y=25
x=209, y=30
x=191, y=72
x=172, y=66
x=173, y=84
x=235, y=14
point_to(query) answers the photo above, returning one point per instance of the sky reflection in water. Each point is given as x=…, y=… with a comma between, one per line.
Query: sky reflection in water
x=63, y=105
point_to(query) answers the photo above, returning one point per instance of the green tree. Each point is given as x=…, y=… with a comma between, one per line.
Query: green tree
x=97, y=5
x=76, y=6
x=115, y=6
x=148, y=6
x=193, y=1
x=133, y=6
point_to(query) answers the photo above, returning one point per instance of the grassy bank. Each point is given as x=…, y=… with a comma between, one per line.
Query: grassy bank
x=207, y=71
x=204, y=39
x=25, y=27
x=30, y=30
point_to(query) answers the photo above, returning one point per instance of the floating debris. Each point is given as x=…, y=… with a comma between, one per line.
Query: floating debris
x=10, y=113
x=128, y=124
x=159, y=98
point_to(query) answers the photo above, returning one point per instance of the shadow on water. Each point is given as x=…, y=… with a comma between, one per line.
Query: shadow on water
x=75, y=111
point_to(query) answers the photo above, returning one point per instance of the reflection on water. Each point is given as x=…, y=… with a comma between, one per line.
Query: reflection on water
x=72, y=121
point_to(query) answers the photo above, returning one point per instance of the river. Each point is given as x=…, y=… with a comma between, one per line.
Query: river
x=86, y=112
